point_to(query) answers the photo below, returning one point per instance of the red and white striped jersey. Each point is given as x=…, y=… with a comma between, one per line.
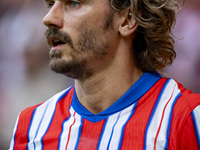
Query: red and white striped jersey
x=154, y=114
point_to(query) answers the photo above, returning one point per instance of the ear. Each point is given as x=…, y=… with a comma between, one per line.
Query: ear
x=128, y=24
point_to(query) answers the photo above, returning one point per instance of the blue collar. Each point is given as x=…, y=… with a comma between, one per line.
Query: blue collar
x=146, y=81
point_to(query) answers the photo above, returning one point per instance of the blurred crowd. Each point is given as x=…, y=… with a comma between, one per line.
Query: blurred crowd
x=26, y=79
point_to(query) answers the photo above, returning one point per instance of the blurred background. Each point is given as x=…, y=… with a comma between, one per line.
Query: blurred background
x=25, y=76
x=186, y=67
x=26, y=79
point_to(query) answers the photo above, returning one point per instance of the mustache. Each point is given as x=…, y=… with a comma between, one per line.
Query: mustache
x=55, y=33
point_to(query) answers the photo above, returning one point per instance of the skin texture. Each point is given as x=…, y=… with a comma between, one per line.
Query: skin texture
x=96, y=49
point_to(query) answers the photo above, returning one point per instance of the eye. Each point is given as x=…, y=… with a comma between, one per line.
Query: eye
x=74, y=4
x=50, y=4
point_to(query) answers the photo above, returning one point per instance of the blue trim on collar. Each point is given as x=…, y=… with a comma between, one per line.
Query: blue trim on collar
x=146, y=81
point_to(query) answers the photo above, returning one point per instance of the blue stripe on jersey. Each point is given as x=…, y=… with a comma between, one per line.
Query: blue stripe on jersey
x=40, y=125
x=113, y=130
x=79, y=134
x=42, y=145
x=196, y=128
x=170, y=120
x=30, y=128
x=153, y=111
x=101, y=136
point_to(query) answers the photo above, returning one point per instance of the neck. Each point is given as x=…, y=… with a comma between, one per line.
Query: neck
x=98, y=94
x=104, y=88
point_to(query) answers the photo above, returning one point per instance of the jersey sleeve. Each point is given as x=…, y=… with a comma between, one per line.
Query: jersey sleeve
x=190, y=137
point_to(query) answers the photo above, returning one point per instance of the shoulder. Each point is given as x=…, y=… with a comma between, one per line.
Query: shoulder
x=185, y=103
x=183, y=107
x=187, y=97
x=32, y=118
x=43, y=107
x=181, y=103
x=184, y=97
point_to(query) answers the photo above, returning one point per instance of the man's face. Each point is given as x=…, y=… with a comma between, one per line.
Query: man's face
x=79, y=35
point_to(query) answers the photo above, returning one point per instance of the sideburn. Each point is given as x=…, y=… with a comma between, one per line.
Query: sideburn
x=108, y=23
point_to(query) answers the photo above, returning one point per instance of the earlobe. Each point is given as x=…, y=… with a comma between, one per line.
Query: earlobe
x=128, y=25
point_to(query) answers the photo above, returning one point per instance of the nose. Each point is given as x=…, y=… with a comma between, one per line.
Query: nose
x=55, y=16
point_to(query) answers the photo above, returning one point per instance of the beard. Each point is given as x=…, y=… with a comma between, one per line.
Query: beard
x=90, y=44
x=74, y=68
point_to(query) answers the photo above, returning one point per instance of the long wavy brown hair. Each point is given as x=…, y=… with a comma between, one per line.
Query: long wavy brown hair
x=154, y=44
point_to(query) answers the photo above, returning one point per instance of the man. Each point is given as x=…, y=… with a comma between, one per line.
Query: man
x=112, y=49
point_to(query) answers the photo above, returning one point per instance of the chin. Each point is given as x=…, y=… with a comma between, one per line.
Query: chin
x=71, y=69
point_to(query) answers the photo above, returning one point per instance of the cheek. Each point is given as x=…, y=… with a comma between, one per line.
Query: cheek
x=73, y=18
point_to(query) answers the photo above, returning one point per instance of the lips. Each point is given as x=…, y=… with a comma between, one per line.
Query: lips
x=56, y=38
x=56, y=42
